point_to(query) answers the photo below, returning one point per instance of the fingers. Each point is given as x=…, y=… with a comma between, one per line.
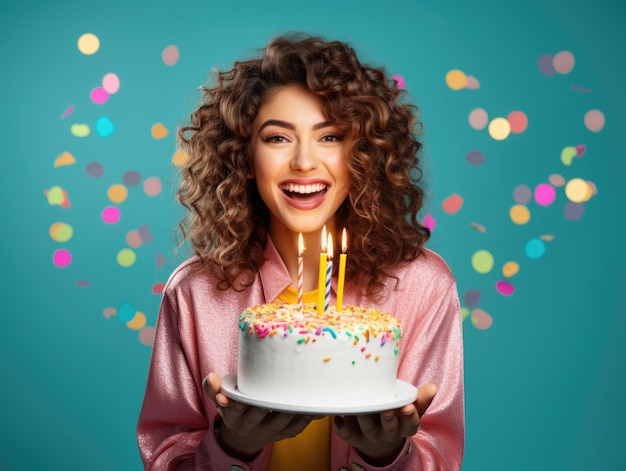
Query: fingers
x=425, y=396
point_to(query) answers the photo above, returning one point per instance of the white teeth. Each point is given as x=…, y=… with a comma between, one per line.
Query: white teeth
x=303, y=189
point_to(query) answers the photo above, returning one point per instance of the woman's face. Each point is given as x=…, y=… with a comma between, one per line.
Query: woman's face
x=299, y=162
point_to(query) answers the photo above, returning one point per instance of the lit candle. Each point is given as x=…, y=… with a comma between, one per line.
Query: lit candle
x=342, y=270
x=329, y=272
x=300, y=270
x=321, y=281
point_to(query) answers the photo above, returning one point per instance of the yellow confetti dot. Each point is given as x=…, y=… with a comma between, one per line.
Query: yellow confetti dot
x=159, y=131
x=126, y=257
x=577, y=190
x=482, y=261
x=464, y=313
x=64, y=159
x=117, y=193
x=138, y=322
x=456, y=79
x=61, y=232
x=180, y=158
x=88, y=44
x=80, y=130
x=510, y=269
x=519, y=214
x=567, y=155
x=499, y=128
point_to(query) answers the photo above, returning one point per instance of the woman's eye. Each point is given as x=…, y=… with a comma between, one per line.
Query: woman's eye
x=276, y=138
x=332, y=138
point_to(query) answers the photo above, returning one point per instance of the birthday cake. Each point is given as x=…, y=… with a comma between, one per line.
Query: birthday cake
x=299, y=356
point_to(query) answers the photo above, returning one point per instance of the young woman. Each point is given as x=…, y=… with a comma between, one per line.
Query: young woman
x=302, y=136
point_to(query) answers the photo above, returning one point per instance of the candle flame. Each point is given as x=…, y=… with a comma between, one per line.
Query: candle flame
x=330, y=246
x=324, y=238
x=300, y=245
x=344, y=241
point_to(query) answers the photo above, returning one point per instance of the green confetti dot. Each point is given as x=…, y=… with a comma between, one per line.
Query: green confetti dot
x=126, y=257
x=482, y=261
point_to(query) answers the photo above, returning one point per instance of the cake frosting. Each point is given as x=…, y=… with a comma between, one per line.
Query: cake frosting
x=293, y=356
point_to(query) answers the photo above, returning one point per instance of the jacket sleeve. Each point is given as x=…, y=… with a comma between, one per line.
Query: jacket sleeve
x=175, y=430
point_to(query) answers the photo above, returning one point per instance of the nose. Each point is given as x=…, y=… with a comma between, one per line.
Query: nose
x=304, y=158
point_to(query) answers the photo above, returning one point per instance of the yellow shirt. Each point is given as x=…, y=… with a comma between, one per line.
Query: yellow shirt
x=310, y=449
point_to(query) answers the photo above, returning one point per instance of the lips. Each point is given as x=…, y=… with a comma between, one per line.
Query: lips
x=304, y=195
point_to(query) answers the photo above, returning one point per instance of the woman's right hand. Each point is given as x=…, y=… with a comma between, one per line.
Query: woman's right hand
x=245, y=429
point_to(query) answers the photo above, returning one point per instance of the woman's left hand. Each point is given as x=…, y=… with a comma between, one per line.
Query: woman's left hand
x=380, y=437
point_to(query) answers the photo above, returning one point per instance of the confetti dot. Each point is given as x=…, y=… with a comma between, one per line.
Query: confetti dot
x=545, y=194
x=472, y=298
x=546, y=67
x=133, y=239
x=482, y=261
x=429, y=222
x=478, y=118
x=580, y=149
x=144, y=233
x=157, y=288
x=67, y=112
x=535, y=248
x=522, y=194
x=62, y=258
x=519, y=214
x=567, y=155
x=111, y=214
x=88, y=44
x=456, y=79
x=547, y=237
x=160, y=260
x=556, y=180
x=400, y=82
x=472, y=83
x=464, y=313
x=573, y=211
x=80, y=130
x=170, y=55
x=109, y=311
x=125, y=312
x=478, y=227
x=475, y=157
x=563, y=62
x=94, y=169
x=577, y=190
x=131, y=178
x=126, y=258
x=83, y=283
x=99, y=96
x=152, y=186
x=180, y=158
x=452, y=204
x=518, y=121
x=480, y=319
x=61, y=232
x=111, y=83
x=146, y=335
x=159, y=131
x=594, y=120
x=138, y=322
x=510, y=269
x=505, y=288
x=117, y=193
x=104, y=126
x=64, y=159
x=499, y=129
x=55, y=196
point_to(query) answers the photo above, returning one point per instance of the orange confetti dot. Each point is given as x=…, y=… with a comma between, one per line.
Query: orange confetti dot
x=452, y=204
x=518, y=121
x=64, y=159
x=159, y=131
x=456, y=79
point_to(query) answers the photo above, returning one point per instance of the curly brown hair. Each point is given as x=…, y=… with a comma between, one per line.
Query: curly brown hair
x=226, y=220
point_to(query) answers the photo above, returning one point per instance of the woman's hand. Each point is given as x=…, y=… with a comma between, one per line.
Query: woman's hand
x=380, y=437
x=245, y=429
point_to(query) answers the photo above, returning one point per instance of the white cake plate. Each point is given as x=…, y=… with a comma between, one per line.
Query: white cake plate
x=406, y=393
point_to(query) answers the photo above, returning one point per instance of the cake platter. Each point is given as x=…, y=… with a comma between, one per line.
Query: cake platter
x=406, y=393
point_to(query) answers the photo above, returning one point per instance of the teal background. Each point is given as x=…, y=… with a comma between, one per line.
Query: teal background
x=544, y=384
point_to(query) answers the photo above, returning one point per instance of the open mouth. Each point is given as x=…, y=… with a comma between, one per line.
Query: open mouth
x=304, y=192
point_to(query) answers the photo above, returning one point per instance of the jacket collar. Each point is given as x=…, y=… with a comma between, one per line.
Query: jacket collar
x=273, y=273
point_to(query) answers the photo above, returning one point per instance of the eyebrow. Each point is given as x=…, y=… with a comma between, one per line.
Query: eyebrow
x=287, y=125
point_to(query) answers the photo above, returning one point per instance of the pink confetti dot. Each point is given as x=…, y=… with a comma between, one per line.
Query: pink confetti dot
x=99, y=96
x=111, y=214
x=452, y=204
x=594, y=120
x=429, y=222
x=109, y=311
x=152, y=186
x=518, y=121
x=545, y=194
x=505, y=288
x=478, y=119
x=170, y=55
x=146, y=335
x=157, y=288
x=111, y=83
x=400, y=82
x=481, y=319
x=133, y=239
x=62, y=258
x=563, y=62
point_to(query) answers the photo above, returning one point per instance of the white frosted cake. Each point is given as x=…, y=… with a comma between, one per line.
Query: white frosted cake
x=297, y=357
